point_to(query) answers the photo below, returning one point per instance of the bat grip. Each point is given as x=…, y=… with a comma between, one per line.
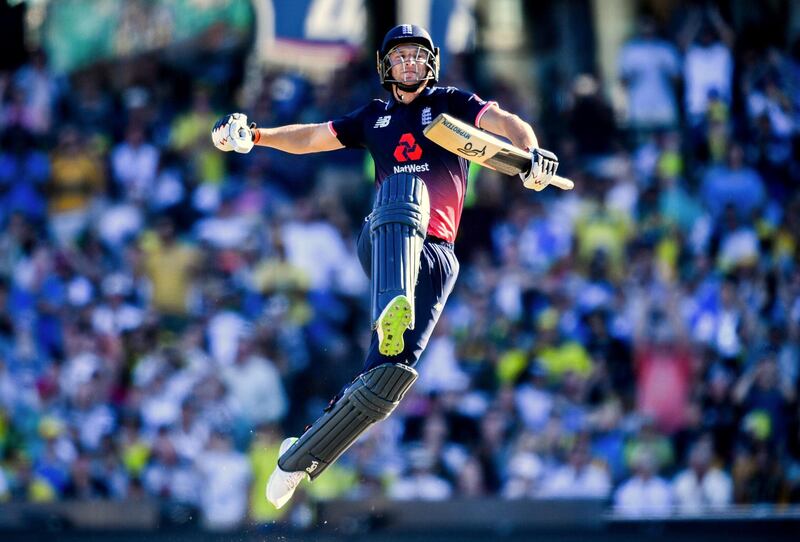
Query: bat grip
x=562, y=182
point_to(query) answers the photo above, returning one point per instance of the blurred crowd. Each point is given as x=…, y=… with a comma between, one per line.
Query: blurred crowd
x=168, y=313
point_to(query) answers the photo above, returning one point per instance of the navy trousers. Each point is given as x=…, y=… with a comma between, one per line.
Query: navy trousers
x=437, y=276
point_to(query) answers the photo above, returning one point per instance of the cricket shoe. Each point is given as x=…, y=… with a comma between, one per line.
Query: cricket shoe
x=392, y=323
x=282, y=484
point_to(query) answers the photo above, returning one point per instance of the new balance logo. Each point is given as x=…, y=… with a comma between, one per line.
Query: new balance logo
x=383, y=122
x=311, y=468
x=407, y=149
x=426, y=116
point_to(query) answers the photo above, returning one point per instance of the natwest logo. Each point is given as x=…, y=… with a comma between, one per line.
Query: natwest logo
x=407, y=149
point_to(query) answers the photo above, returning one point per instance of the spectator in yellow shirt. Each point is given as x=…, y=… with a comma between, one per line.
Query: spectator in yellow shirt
x=556, y=356
x=77, y=178
x=170, y=266
x=189, y=136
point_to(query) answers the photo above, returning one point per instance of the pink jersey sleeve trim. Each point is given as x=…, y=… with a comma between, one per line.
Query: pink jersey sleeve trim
x=481, y=112
x=330, y=127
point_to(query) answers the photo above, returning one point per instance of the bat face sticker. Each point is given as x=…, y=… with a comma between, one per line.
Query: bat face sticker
x=471, y=151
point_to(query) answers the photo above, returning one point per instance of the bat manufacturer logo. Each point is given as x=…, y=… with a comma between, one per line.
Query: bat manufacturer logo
x=471, y=151
x=453, y=128
x=312, y=467
x=383, y=122
x=407, y=149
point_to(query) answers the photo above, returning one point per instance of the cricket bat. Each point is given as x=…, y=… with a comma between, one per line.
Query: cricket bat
x=483, y=148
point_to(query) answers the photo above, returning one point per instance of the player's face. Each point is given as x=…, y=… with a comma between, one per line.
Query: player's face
x=409, y=63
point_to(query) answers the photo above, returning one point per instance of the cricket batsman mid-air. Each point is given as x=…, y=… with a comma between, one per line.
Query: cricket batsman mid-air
x=406, y=243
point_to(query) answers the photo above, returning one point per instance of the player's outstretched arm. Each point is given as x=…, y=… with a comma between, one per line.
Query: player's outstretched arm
x=298, y=138
x=233, y=133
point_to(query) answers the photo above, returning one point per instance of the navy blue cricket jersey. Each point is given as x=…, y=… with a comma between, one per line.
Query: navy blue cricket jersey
x=392, y=133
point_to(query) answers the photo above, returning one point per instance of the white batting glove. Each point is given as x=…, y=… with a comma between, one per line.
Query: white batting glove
x=231, y=133
x=219, y=134
x=543, y=166
x=241, y=135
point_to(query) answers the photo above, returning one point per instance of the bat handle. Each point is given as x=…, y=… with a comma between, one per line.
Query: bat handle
x=562, y=182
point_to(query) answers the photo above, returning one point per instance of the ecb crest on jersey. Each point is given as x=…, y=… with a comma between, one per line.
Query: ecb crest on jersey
x=426, y=116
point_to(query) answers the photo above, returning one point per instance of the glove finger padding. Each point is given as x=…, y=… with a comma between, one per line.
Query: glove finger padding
x=219, y=134
x=544, y=165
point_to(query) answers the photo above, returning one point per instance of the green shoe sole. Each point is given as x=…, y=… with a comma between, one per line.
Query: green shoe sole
x=392, y=323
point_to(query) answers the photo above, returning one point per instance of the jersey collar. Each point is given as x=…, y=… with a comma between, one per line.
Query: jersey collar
x=392, y=102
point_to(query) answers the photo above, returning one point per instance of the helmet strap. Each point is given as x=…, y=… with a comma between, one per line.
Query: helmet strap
x=411, y=89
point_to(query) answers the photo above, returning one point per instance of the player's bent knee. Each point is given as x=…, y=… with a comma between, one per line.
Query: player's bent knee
x=402, y=199
x=373, y=396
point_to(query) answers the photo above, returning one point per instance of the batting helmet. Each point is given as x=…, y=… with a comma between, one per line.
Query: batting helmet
x=401, y=35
